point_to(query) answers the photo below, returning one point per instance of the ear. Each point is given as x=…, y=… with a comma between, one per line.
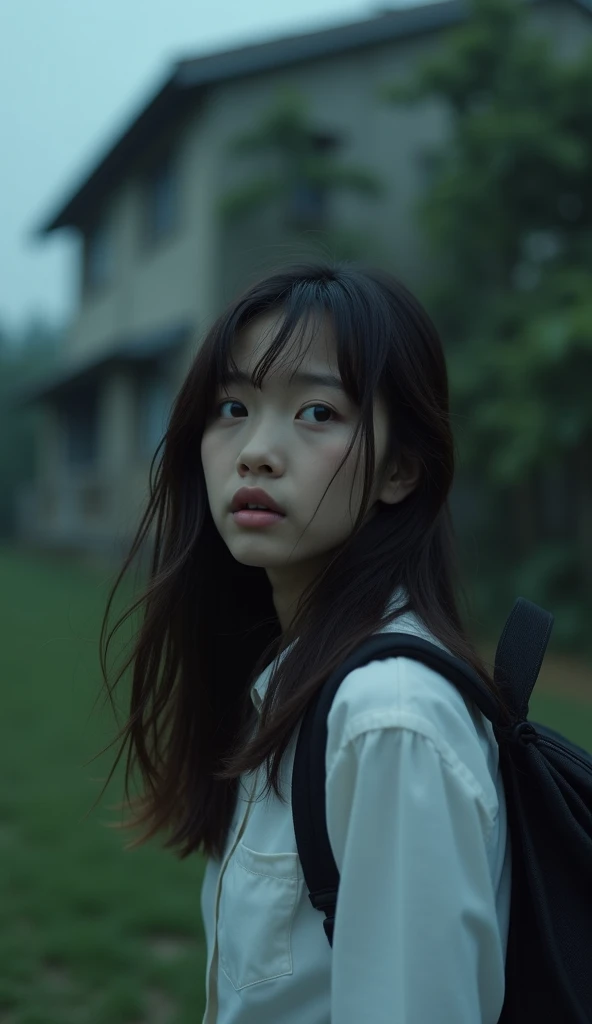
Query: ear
x=401, y=481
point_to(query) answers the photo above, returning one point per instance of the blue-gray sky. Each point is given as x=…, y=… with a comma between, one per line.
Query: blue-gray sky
x=72, y=75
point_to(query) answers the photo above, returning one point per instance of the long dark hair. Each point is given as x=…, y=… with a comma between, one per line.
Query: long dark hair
x=208, y=623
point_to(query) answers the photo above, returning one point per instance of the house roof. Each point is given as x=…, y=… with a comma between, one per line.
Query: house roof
x=131, y=351
x=190, y=77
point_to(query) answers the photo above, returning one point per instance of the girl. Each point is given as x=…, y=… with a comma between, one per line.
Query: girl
x=246, y=614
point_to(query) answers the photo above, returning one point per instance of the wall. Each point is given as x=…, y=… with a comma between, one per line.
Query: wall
x=199, y=269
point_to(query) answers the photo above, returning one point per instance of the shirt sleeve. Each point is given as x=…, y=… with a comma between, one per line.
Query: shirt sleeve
x=416, y=935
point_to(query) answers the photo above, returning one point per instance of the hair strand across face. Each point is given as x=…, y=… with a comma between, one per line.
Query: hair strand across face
x=192, y=729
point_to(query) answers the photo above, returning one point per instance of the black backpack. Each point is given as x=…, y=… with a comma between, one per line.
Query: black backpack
x=548, y=788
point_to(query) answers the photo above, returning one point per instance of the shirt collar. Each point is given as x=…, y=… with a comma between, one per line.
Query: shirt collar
x=260, y=686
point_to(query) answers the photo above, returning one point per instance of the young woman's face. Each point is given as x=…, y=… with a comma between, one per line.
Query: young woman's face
x=288, y=439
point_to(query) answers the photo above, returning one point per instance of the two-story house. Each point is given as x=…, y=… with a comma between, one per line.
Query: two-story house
x=157, y=266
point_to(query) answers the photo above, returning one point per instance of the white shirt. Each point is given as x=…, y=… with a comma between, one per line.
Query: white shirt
x=416, y=818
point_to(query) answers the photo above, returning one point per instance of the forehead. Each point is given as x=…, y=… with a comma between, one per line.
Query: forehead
x=312, y=343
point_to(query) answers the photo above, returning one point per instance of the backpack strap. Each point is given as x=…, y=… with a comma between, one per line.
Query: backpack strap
x=520, y=652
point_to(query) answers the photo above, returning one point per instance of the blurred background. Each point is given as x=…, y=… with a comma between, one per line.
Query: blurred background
x=157, y=158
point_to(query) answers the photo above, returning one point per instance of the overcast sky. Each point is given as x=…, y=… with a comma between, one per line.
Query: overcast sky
x=73, y=73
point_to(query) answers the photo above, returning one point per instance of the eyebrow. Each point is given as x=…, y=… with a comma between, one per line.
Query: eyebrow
x=326, y=380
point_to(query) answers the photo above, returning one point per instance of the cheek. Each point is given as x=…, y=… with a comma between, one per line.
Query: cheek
x=210, y=462
x=332, y=458
x=328, y=472
x=210, y=450
x=325, y=463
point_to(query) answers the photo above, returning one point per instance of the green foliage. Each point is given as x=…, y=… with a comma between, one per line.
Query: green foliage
x=522, y=380
x=327, y=173
x=249, y=198
x=509, y=210
x=285, y=140
x=520, y=151
x=21, y=359
x=284, y=126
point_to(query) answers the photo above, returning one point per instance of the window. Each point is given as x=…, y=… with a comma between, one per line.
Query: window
x=92, y=500
x=161, y=200
x=429, y=165
x=307, y=202
x=154, y=403
x=98, y=257
x=80, y=417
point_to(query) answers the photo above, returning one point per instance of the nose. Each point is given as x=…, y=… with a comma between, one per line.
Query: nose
x=260, y=451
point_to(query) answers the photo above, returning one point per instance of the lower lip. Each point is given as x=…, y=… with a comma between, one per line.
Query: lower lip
x=251, y=517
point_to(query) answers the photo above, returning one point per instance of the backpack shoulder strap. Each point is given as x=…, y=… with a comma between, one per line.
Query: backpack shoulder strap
x=520, y=654
x=524, y=639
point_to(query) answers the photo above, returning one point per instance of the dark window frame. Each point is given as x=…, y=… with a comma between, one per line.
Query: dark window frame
x=99, y=257
x=307, y=204
x=160, y=192
x=80, y=418
x=154, y=400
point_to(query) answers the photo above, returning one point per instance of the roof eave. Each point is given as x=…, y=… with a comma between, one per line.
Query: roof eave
x=192, y=76
x=126, y=352
x=159, y=109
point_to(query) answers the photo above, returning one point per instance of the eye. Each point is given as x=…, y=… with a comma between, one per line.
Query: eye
x=228, y=401
x=315, y=406
x=319, y=405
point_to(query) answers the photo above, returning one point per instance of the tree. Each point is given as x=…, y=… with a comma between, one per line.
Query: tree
x=510, y=210
x=302, y=172
x=28, y=354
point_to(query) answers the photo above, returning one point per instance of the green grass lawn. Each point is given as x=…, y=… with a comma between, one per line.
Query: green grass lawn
x=88, y=932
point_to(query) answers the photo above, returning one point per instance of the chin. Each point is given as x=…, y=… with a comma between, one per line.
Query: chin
x=256, y=561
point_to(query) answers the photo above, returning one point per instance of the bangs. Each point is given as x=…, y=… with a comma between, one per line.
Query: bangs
x=356, y=310
x=307, y=308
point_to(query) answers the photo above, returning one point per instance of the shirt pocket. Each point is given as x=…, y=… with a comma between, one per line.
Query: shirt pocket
x=258, y=900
